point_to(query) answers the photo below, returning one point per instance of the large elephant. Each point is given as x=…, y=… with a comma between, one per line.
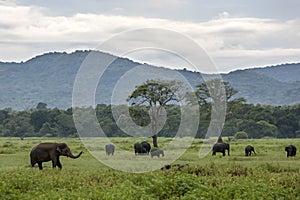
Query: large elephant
x=248, y=150
x=291, y=150
x=45, y=152
x=221, y=147
x=139, y=149
x=147, y=146
x=109, y=149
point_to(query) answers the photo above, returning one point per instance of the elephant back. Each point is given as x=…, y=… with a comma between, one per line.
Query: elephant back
x=146, y=145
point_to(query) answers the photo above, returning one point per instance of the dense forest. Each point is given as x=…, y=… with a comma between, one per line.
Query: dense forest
x=242, y=119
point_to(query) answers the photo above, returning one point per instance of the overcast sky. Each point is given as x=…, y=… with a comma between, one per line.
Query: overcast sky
x=235, y=34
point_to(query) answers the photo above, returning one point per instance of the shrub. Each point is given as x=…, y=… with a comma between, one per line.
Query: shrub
x=241, y=135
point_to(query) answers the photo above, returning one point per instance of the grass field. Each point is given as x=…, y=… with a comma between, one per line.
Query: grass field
x=268, y=175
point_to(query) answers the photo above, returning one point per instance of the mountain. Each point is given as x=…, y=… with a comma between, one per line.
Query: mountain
x=50, y=77
x=257, y=86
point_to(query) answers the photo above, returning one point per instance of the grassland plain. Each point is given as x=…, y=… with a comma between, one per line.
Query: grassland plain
x=268, y=175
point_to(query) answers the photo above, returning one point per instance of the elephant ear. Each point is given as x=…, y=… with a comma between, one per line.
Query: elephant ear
x=60, y=147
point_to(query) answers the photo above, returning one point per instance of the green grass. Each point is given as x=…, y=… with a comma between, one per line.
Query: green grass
x=269, y=175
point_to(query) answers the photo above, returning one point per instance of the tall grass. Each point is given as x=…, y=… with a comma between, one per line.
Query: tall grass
x=268, y=175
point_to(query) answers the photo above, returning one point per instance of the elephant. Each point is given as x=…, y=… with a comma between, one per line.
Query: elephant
x=291, y=150
x=139, y=149
x=109, y=149
x=45, y=152
x=221, y=147
x=157, y=152
x=147, y=146
x=248, y=150
x=166, y=167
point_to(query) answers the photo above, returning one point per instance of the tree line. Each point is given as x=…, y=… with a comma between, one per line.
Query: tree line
x=257, y=121
x=148, y=102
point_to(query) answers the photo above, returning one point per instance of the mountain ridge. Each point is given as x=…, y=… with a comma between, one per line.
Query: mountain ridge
x=49, y=78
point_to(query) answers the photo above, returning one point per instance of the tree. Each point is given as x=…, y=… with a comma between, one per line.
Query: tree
x=211, y=91
x=41, y=106
x=47, y=129
x=19, y=124
x=65, y=125
x=156, y=95
x=213, y=95
x=38, y=118
x=267, y=129
x=4, y=114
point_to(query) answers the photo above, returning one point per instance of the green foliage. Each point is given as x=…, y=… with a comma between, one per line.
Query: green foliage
x=156, y=93
x=211, y=89
x=258, y=121
x=241, y=135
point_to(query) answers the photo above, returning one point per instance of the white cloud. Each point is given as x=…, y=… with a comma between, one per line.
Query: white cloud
x=224, y=15
x=232, y=42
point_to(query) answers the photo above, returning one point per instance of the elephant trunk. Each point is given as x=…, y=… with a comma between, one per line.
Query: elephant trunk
x=74, y=157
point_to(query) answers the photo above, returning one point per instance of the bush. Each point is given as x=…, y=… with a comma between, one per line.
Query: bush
x=241, y=135
x=48, y=135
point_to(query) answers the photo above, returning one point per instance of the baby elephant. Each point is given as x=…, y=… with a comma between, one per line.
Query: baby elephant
x=248, y=150
x=157, y=152
x=110, y=149
x=291, y=150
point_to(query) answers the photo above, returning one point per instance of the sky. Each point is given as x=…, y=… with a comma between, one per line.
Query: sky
x=235, y=34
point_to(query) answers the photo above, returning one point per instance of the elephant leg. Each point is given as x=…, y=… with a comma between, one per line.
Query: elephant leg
x=54, y=161
x=59, y=164
x=32, y=163
x=223, y=153
x=40, y=165
x=214, y=153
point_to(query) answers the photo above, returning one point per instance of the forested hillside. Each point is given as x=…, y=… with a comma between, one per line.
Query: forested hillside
x=49, y=78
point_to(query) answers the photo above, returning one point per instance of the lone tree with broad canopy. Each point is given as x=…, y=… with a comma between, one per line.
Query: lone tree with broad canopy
x=155, y=94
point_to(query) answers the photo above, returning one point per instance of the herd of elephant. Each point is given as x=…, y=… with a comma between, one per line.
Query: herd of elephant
x=223, y=146
x=143, y=148
x=45, y=152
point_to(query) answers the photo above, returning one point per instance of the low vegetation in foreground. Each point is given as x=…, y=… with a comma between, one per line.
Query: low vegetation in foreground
x=268, y=175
